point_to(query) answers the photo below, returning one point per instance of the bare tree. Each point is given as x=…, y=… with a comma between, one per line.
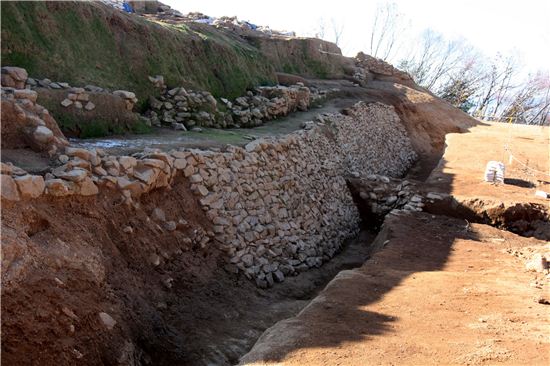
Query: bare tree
x=498, y=86
x=436, y=59
x=530, y=103
x=330, y=31
x=320, y=29
x=462, y=86
x=337, y=30
x=387, y=30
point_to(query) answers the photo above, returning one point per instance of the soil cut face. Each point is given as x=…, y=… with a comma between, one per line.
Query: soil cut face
x=173, y=301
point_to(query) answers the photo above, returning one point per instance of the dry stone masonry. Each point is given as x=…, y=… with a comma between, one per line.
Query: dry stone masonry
x=184, y=109
x=277, y=206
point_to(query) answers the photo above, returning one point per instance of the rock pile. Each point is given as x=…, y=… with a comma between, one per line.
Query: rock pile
x=78, y=98
x=269, y=102
x=59, y=85
x=278, y=207
x=383, y=194
x=14, y=77
x=181, y=108
x=184, y=109
x=26, y=123
x=378, y=66
x=366, y=65
x=128, y=96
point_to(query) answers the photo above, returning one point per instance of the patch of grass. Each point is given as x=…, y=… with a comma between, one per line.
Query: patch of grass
x=89, y=43
x=222, y=136
x=140, y=128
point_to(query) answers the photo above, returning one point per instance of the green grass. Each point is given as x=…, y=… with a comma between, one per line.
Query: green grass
x=222, y=136
x=84, y=43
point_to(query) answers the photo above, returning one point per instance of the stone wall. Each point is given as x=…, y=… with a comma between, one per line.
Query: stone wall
x=278, y=206
x=185, y=109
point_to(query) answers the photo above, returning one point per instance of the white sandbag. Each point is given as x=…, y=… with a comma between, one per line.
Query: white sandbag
x=494, y=172
x=542, y=194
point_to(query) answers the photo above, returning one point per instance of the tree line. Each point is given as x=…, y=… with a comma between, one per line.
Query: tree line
x=490, y=88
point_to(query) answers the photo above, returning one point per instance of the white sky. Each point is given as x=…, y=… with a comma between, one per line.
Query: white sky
x=505, y=26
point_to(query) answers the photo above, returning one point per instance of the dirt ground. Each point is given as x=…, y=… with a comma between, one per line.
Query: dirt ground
x=460, y=172
x=436, y=294
x=512, y=205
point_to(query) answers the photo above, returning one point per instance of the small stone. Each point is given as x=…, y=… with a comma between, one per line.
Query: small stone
x=107, y=320
x=128, y=230
x=83, y=97
x=124, y=94
x=158, y=215
x=537, y=263
x=154, y=259
x=66, y=102
x=202, y=190
x=69, y=313
x=247, y=260
x=81, y=153
x=58, y=187
x=9, y=190
x=89, y=106
x=180, y=164
x=170, y=226
x=278, y=276
x=42, y=134
x=78, y=105
x=168, y=282
x=75, y=175
x=195, y=178
x=87, y=187
x=63, y=159
x=30, y=186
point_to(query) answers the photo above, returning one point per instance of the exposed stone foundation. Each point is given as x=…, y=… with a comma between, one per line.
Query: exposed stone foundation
x=279, y=206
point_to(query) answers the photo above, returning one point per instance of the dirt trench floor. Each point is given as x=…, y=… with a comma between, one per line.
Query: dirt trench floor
x=439, y=293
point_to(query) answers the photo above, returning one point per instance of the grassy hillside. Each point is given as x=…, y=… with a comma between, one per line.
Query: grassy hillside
x=90, y=43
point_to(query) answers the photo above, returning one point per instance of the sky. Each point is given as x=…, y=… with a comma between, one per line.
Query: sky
x=521, y=27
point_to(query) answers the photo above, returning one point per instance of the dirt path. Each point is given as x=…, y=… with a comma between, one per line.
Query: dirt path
x=431, y=296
